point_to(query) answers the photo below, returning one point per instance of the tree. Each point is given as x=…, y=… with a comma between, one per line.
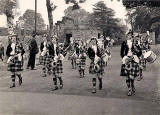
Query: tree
x=29, y=22
x=75, y=3
x=6, y=7
x=51, y=7
x=103, y=17
x=135, y=3
x=80, y=16
x=151, y=15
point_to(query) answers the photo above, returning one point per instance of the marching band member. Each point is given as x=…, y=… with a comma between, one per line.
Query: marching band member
x=46, y=56
x=72, y=54
x=130, y=53
x=57, y=67
x=15, y=53
x=96, y=65
x=142, y=61
x=82, y=62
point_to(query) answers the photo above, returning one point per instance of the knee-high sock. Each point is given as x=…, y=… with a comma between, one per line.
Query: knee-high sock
x=94, y=82
x=44, y=70
x=55, y=81
x=132, y=83
x=13, y=77
x=128, y=83
x=141, y=74
x=20, y=78
x=60, y=80
x=100, y=82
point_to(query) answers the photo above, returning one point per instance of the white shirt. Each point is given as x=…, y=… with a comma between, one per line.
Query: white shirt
x=55, y=46
x=13, y=46
x=94, y=47
x=129, y=43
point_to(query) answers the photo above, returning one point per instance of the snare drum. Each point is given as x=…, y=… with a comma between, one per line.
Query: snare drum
x=150, y=56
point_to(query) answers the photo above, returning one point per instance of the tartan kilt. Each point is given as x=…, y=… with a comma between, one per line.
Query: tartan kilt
x=48, y=61
x=41, y=60
x=82, y=64
x=15, y=65
x=58, y=69
x=91, y=67
x=101, y=65
x=142, y=63
x=133, y=69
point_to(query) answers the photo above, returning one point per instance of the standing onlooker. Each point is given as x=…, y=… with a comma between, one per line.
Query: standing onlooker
x=1, y=51
x=33, y=50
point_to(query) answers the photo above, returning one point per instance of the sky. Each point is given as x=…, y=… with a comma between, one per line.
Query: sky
x=116, y=5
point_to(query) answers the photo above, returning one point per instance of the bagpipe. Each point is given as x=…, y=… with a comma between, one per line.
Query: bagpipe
x=12, y=58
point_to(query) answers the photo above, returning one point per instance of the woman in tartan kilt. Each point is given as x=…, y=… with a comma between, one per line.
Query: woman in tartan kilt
x=97, y=64
x=57, y=67
x=130, y=53
x=47, y=56
x=15, y=53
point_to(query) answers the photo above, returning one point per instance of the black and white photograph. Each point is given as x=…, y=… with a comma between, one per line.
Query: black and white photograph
x=79, y=57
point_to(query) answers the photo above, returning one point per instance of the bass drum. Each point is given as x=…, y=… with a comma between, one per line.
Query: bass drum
x=150, y=56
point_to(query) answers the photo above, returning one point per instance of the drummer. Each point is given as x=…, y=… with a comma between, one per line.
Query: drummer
x=130, y=53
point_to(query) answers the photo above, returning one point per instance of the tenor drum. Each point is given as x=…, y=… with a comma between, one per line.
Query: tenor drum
x=150, y=56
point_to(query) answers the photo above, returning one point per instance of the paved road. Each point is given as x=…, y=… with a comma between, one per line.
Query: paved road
x=35, y=97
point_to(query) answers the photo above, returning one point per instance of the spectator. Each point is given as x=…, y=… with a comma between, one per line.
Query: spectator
x=1, y=51
x=33, y=50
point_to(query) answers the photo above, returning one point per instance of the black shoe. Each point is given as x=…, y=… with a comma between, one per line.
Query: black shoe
x=44, y=75
x=140, y=78
x=13, y=85
x=93, y=90
x=33, y=69
x=56, y=88
x=61, y=86
x=27, y=68
x=129, y=93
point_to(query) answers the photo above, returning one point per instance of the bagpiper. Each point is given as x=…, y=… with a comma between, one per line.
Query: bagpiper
x=72, y=53
x=57, y=66
x=130, y=53
x=47, y=55
x=15, y=53
x=97, y=64
x=82, y=61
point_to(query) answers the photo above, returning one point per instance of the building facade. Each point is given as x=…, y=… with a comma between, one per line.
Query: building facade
x=68, y=28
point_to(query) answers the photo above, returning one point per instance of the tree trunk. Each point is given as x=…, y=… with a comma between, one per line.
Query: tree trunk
x=10, y=18
x=50, y=18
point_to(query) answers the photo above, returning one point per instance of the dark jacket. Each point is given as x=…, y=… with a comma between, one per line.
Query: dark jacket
x=20, y=49
x=2, y=50
x=50, y=48
x=33, y=47
x=9, y=50
x=135, y=49
x=91, y=53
